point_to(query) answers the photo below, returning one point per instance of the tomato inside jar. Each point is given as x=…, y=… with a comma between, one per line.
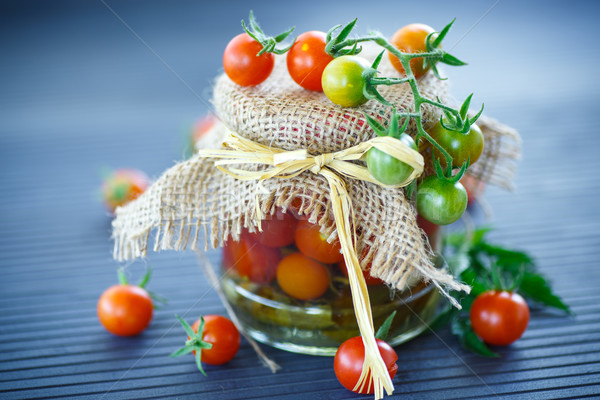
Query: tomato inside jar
x=289, y=286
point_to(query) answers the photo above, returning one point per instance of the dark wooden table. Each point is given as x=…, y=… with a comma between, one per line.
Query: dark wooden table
x=92, y=85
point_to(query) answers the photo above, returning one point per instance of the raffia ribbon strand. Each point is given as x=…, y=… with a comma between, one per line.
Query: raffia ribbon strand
x=286, y=164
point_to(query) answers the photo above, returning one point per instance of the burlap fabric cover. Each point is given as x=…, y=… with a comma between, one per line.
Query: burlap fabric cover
x=194, y=202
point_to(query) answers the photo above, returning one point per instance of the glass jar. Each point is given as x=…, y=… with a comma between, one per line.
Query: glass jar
x=289, y=289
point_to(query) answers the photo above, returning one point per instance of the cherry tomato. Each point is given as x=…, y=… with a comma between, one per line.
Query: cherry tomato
x=313, y=244
x=343, y=82
x=301, y=277
x=123, y=186
x=440, y=201
x=224, y=337
x=473, y=186
x=125, y=310
x=251, y=259
x=429, y=228
x=370, y=280
x=307, y=59
x=411, y=39
x=387, y=169
x=349, y=359
x=202, y=127
x=241, y=63
x=279, y=230
x=499, y=317
x=461, y=146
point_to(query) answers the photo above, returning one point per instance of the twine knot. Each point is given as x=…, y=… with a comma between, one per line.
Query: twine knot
x=321, y=161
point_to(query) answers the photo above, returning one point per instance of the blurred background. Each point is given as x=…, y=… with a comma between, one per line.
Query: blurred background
x=90, y=85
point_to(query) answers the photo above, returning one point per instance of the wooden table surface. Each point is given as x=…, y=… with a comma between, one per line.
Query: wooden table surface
x=91, y=85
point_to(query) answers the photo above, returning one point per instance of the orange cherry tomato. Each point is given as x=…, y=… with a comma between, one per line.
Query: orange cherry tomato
x=307, y=59
x=122, y=186
x=277, y=231
x=241, y=63
x=311, y=243
x=224, y=337
x=125, y=310
x=251, y=259
x=301, y=277
x=411, y=39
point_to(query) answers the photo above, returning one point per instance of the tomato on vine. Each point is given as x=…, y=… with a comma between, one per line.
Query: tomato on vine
x=388, y=169
x=212, y=339
x=241, y=63
x=349, y=359
x=460, y=146
x=411, y=39
x=307, y=59
x=343, y=81
x=301, y=277
x=441, y=201
x=313, y=244
x=499, y=317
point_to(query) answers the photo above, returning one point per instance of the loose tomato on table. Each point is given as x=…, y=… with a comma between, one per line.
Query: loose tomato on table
x=387, y=169
x=411, y=39
x=307, y=59
x=125, y=310
x=349, y=359
x=499, y=317
x=440, y=201
x=343, y=82
x=213, y=339
x=313, y=244
x=241, y=63
x=122, y=186
x=249, y=258
x=301, y=277
x=460, y=146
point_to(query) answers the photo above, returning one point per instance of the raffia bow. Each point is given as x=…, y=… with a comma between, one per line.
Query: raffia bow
x=287, y=164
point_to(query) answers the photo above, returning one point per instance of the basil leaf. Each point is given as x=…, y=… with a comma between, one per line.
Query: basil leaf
x=536, y=288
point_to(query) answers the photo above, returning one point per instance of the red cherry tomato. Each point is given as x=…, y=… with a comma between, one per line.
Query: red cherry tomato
x=349, y=359
x=411, y=39
x=279, y=230
x=499, y=317
x=125, y=310
x=301, y=277
x=241, y=63
x=311, y=243
x=123, y=186
x=429, y=227
x=473, y=186
x=202, y=126
x=307, y=59
x=251, y=259
x=370, y=280
x=224, y=337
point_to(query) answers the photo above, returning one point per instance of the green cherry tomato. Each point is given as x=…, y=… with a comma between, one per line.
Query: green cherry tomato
x=343, y=82
x=387, y=169
x=440, y=201
x=461, y=146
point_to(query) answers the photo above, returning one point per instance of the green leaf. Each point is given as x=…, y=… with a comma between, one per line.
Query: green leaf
x=465, y=107
x=188, y=329
x=442, y=35
x=182, y=351
x=121, y=276
x=468, y=338
x=536, y=288
x=449, y=59
x=384, y=329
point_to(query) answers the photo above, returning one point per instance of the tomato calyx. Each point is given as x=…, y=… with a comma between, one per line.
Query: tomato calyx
x=157, y=300
x=269, y=43
x=336, y=46
x=194, y=343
